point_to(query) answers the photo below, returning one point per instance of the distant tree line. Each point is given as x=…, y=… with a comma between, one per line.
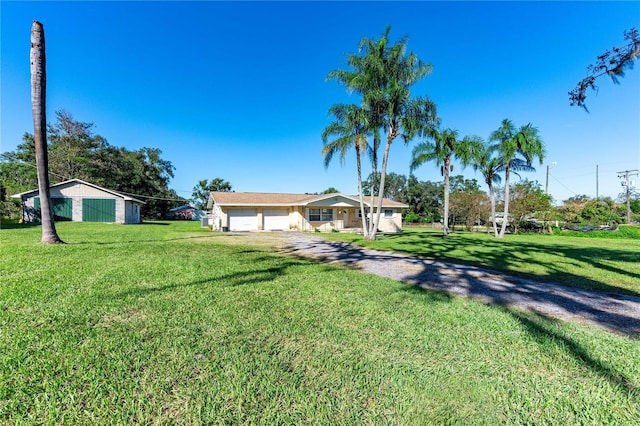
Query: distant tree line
x=76, y=152
x=531, y=208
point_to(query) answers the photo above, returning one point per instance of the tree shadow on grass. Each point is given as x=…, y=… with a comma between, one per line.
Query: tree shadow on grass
x=430, y=277
x=538, y=327
x=508, y=255
x=253, y=276
x=146, y=240
x=614, y=312
x=14, y=225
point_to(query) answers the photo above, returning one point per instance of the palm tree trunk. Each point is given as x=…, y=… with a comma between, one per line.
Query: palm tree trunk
x=505, y=217
x=38, y=107
x=362, y=211
x=374, y=177
x=383, y=174
x=445, y=170
x=492, y=198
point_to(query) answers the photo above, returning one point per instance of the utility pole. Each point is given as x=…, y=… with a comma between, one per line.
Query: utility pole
x=628, y=185
x=546, y=186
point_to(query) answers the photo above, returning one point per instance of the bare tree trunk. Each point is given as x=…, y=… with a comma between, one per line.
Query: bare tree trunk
x=38, y=107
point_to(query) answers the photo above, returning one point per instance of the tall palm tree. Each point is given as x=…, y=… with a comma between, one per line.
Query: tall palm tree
x=490, y=167
x=516, y=148
x=383, y=75
x=38, y=107
x=349, y=129
x=445, y=147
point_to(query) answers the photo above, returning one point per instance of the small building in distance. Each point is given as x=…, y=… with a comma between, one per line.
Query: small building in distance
x=185, y=212
x=79, y=201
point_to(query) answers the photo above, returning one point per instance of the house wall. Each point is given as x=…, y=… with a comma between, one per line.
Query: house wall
x=392, y=224
x=131, y=212
x=386, y=224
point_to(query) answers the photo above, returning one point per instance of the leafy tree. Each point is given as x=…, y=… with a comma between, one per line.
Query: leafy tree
x=72, y=146
x=582, y=198
x=349, y=129
x=584, y=210
x=468, y=203
x=600, y=212
x=515, y=149
x=490, y=167
x=613, y=63
x=527, y=199
x=395, y=186
x=442, y=150
x=383, y=75
x=142, y=173
x=25, y=151
x=424, y=199
x=15, y=177
x=330, y=190
x=203, y=189
x=38, y=106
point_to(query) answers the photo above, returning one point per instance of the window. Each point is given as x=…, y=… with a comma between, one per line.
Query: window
x=320, y=215
x=388, y=213
x=359, y=215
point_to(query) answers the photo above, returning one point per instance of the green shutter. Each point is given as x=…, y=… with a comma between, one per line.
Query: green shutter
x=98, y=210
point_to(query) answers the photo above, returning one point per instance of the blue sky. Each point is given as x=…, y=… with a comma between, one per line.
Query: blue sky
x=238, y=90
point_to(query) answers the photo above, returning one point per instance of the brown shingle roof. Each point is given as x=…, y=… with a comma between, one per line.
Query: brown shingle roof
x=279, y=199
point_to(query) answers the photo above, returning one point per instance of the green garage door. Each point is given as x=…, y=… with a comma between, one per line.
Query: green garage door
x=98, y=210
x=62, y=208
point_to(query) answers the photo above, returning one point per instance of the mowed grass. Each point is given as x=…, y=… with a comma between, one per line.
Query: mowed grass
x=576, y=259
x=169, y=323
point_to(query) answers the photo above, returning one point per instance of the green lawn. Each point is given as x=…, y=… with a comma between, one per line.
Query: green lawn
x=608, y=264
x=168, y=323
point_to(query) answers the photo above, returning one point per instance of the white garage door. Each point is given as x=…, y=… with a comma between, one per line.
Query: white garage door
x=243, y=220
x=275, y=219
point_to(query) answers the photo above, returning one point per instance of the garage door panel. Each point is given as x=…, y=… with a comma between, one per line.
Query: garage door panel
x=243, y=220
x=275, y=219
x=98, y=210
x=62, y=208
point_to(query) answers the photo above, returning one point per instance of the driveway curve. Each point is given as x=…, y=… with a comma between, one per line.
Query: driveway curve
x=617, y=313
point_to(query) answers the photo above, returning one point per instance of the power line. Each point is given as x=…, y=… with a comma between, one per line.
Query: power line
x=564, y=186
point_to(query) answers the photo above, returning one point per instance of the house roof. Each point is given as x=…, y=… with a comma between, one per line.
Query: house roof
x=66, y=182
x=279, y=199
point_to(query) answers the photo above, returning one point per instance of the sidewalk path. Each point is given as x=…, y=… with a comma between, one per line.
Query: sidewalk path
x=617, y=313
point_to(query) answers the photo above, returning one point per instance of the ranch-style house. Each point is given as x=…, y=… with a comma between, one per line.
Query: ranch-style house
x=257, y=211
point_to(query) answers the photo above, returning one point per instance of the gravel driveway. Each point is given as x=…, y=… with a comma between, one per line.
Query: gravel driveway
x=617, y=313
